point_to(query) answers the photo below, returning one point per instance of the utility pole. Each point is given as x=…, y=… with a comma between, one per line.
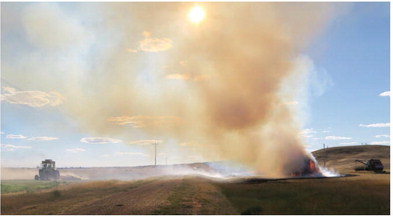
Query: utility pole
x=324, y=159
x=155, y=153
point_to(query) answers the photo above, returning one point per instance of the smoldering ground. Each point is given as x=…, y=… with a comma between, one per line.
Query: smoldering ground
x=143, y=70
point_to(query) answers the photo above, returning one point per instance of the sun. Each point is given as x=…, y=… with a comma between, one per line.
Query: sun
x=196, y=14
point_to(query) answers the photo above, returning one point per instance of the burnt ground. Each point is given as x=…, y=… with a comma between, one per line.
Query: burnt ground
x=361, y=193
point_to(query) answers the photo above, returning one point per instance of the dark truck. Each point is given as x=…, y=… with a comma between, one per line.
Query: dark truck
x=47, y=171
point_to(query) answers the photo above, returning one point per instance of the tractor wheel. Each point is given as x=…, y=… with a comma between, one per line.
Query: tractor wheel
x=36, y=177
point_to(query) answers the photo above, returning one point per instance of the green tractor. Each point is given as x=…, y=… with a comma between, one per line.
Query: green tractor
x=47, y=171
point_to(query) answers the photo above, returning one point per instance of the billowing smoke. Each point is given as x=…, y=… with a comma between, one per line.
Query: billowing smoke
x=144, y=71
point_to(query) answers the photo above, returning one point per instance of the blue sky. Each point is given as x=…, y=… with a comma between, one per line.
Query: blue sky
x=354, y=52
x=347, y=104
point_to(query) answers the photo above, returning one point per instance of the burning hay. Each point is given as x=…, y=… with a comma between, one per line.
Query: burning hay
x=310, y=168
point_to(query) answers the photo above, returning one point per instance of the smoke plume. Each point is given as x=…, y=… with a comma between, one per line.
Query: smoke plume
x=144, y=71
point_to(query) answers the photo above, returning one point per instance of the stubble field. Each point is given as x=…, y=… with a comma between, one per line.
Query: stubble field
x=360, y=193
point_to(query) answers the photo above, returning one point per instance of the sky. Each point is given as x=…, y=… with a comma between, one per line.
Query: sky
x=354, y=53
x=70, y=71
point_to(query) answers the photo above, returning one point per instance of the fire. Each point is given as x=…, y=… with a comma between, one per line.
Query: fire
x=312, y=165
x=309, y=168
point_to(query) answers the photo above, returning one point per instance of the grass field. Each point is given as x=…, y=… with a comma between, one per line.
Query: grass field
x=13, y=186
x=351, y=195
x=361, y=193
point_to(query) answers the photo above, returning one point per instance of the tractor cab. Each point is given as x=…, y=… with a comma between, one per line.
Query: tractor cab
x=48, y=164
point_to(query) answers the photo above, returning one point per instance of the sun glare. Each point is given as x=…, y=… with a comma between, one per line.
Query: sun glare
x=197, y=14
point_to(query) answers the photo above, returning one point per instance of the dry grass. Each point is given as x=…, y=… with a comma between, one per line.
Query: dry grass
x=60, y=200
x=196, y=196
x=351, y=195
x=366, y=193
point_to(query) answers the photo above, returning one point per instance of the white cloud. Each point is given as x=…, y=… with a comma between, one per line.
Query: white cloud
x=178, y=76
x=99, y=140
x=75, y=150
x=155, y=44
x=349, y=143
x=386, y=93
x=381, y=136
x=130, y=154
x=145, y=121
x=150, y=44
x=14, y=136
x=42, y=138
x=14, y=146
x=375, y=125
x=337, y=138
x=1, y=132
x=188, y=76
x=8, y=147
x=191, y=144
x=31, y=98
x=39, y=138
x=308, y=133
x=144, y=142
x=380, y=143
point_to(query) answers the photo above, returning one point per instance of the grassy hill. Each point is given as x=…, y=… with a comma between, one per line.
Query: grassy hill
x=342, y=159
